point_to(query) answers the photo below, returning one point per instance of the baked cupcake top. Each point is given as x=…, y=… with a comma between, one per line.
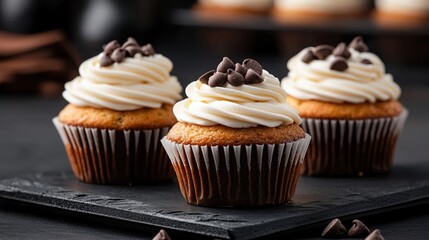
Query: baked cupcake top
x=345, y=74
x=401, y=6
x=236, y=96
x=326, y=6
x=123, y=78
x=248, y=4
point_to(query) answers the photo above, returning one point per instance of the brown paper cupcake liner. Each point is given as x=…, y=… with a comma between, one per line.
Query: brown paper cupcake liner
x=244, y=175
x=105, y=156
x=351, y=147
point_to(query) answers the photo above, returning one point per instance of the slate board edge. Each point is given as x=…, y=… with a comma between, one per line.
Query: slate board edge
x=15, y=194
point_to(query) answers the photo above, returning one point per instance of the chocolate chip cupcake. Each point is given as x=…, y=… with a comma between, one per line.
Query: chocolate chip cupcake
x=349, y=107
x=238, y=142
x=119, y=108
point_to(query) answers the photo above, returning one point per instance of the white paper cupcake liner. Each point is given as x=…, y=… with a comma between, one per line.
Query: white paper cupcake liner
x=243, y=175
x=351, y=147
x=107, y=156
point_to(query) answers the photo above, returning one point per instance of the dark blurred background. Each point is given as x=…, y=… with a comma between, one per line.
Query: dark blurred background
x=62, y=33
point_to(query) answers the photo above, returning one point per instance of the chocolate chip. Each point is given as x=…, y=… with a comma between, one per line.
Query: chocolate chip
x=111, y=46
x=205, y=77
x=235, y=78
x=253, y=77
x=366, y=61
x=358, y=44
x=106, y=60
x=339, y=64
x=240, y=69
x=218, y=79
x=323, y=51
x=335, y=229
x=130, y=42
x=358, y=229
x=308, y=57
x=342, y=51
x=375, y=235
x=162, y=235
x=132, y=50
x=252, y=64
x=148, y=50
x=118, y=55
x=225, y=65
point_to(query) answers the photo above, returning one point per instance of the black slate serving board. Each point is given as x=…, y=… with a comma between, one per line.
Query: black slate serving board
x=316, y=201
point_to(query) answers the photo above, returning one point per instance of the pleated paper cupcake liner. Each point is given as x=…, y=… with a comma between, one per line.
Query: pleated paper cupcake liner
x=105, y=156
x=351, y=147
x=243, y=175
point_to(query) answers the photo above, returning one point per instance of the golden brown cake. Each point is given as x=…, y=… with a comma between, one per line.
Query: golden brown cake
x=119, y=108
x=399, y=13
x=349, y=106
x=237, y=142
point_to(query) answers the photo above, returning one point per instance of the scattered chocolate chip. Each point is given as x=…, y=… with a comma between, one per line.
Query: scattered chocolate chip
x=111, y=46
x=308, y=57
x=358, y=230
x=162, y=235
x=375, y=235
x=342, y=51
x=240, y=69
x=252, y=64
x=205, y=77
x=235, y=78
x=366, y=61
x=118, y=55
x=132, y=50
x=253, y=77
x=339, y=64
x=323, y=51
x=218, y=79
x=358, y=44
x=130, y=42
x=148, y=50
x=106, y=60
x=335, y=229
x=225, y=65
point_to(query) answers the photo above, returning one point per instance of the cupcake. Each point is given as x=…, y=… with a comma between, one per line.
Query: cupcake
x=119, y=108
x=238, y=142
x=311, y=10
x=349, y=106
x=398, y=13
x=233, y=7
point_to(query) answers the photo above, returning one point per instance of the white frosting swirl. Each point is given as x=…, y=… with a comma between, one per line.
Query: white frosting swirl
x=325, y=6
x=249, y=4
x=403, y=6
x=244, y=106
x=359, y=83
x=132, y=84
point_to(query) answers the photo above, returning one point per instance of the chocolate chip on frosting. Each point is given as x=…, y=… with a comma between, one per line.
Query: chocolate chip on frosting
x=308, y=57
x=323, y=51
x=339, y=64
x=240, y=69
x=118, y=55
x=162, y=235
x=111, y=46
x=225, y=65
x=358, y=229
x=235, y=78
x=218, y=79
x=205, y=77
x=130, y=42
x=132, y=50
x=148, y=50
x=253, y=77
x=342, y=51
x=366, y=61
x=252, y=64
x=375, y=235
x=335, y=229
x=106, y=60
x=358, y=44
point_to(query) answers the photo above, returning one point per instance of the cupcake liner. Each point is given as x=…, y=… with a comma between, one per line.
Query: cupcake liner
x=106, y=156
x=243, y=175
x=351, y=147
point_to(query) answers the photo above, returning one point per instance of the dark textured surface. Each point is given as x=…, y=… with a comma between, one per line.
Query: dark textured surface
x=317, y=200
